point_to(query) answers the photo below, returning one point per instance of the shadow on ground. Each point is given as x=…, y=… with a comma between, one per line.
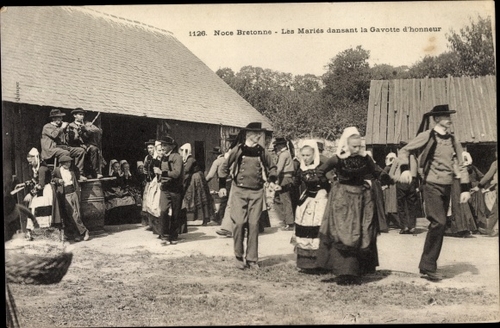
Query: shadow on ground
x=194, y=236
x=269, y=261
x=452, y=270
x=365, y=279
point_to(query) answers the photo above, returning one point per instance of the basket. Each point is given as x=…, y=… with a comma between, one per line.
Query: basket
x=34, y=269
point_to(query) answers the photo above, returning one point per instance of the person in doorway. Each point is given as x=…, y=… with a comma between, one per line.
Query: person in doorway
x=131, y=182
x=439, y=163
x=251, y=166
x=84, y=135
x=285, y=171
x=54, y=143
x=68, y=190
x=348, y=233
x=171, y=172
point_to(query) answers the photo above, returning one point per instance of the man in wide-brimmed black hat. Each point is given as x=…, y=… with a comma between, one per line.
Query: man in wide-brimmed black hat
x=250, y=166
x=55, y=144
x=439, y=164
x=171, y=173
x=86, y=135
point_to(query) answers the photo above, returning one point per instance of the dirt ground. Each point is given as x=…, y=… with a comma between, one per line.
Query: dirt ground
x=470, y=267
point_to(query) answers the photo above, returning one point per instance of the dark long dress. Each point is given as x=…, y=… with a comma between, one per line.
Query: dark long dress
x=348, y=233
x=477, y=204
x=197, y=198
x=461, y=221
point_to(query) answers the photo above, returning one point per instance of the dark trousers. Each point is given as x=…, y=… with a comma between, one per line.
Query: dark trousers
x=246, y=208
x=283, y=202
x=437, y=201
x=73, y=211
x=169, y=222
x=93, y=159
x=407, y=203
x=223, y=202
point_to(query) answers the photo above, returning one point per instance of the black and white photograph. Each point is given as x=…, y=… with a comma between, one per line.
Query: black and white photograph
x=250, y=164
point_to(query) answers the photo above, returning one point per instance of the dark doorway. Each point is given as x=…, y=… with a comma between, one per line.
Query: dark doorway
x=124, y=137
x=482, y=155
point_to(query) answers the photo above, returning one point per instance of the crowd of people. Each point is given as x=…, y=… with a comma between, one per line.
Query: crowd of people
x=336, y=206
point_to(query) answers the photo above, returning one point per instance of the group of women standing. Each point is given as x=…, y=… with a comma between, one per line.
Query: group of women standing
x=337, y=230
x=195, y=193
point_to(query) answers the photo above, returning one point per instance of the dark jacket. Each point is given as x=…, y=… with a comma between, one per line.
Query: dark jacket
x=172, y=173
x=249, y=167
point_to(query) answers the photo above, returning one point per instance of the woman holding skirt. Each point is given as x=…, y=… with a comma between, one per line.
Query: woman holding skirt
x=348, y=233
x=310, y=207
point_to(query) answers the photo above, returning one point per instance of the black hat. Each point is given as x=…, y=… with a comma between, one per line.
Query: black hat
x=56, y=113
x=216, y=150
x=321, y=146
x=168, y=140
x=77, y=111
x=280, y=141
x=441, y=110
x=150, y=142
x=254, y=126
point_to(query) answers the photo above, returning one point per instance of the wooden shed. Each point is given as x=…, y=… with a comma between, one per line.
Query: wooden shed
x=396, y=107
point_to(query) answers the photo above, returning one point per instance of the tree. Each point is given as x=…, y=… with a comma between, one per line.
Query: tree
x=388, y=72
x=346, y=91
x=436, y=66
x=348, y=75
x=226, y=74
x=474, y=46
x=307, y=83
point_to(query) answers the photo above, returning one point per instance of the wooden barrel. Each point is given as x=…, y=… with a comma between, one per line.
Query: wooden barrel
x=92, y=205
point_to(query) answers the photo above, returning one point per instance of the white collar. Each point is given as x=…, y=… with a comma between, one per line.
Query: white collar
x=441, y=130
x=166, y=155
x=249, y=143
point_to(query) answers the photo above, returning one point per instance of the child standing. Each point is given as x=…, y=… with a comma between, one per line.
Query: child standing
x=68, y=190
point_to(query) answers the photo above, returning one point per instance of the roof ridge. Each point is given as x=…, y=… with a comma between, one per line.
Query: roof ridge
x=120, y=19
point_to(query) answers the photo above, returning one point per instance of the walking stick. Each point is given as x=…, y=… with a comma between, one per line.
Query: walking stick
x=95, y=118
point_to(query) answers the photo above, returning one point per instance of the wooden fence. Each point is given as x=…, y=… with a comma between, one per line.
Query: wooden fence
x=396, y=107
